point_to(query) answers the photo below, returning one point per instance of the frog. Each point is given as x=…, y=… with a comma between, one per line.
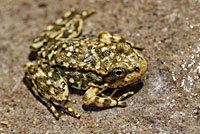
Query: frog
x=65, y=61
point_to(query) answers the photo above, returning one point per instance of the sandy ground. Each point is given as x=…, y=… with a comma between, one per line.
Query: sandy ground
x=168, y=102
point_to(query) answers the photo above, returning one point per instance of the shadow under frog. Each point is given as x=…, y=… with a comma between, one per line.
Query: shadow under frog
x=135, y=87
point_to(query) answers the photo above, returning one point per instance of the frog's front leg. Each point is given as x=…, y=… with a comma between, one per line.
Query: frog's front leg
x=109, y=38
x=91, y=97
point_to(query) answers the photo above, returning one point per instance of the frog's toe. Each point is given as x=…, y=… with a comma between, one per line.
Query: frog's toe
x=70, y=111
x=70, y=101
x=126, y=95
x=121, y=103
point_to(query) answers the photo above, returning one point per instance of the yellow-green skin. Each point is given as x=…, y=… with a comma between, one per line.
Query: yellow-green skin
x=85, y=64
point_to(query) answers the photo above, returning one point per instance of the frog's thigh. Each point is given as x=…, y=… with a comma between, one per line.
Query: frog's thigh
x=65, y=104
x=91, y=97
x=60, y=87
x=41, y=82
x=31, y=70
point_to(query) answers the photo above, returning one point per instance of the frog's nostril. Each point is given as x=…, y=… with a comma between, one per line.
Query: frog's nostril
x=136, y=68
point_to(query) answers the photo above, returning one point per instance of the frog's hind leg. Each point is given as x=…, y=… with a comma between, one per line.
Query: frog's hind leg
x=67, y=27
x=73, y=26
x=52, y=90
x=30, y=72
x=109, y=38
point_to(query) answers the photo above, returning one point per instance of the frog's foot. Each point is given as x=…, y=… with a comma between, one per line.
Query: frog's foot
x=50, y=106
x=125, y=95
x=66, y=108
x=109, y=38
x=69, y=111
x=60, y=110
x=91, y=97
x=121, y=97
x=87, y=13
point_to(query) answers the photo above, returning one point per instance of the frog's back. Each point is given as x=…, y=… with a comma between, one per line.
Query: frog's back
x=88, y=55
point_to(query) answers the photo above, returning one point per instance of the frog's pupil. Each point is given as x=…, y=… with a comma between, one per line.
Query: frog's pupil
x=119, y=73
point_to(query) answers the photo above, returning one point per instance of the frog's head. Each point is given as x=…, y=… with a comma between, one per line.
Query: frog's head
x=127, y=67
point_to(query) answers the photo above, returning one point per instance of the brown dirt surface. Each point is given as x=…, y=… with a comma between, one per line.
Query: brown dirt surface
x=168, y=102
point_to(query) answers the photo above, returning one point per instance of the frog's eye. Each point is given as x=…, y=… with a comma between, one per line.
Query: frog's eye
x=118, y=72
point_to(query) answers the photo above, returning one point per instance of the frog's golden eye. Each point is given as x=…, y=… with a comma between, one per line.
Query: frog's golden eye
x=118, y=72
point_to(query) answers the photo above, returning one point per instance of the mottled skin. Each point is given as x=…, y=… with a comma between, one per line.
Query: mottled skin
x=85, y=64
